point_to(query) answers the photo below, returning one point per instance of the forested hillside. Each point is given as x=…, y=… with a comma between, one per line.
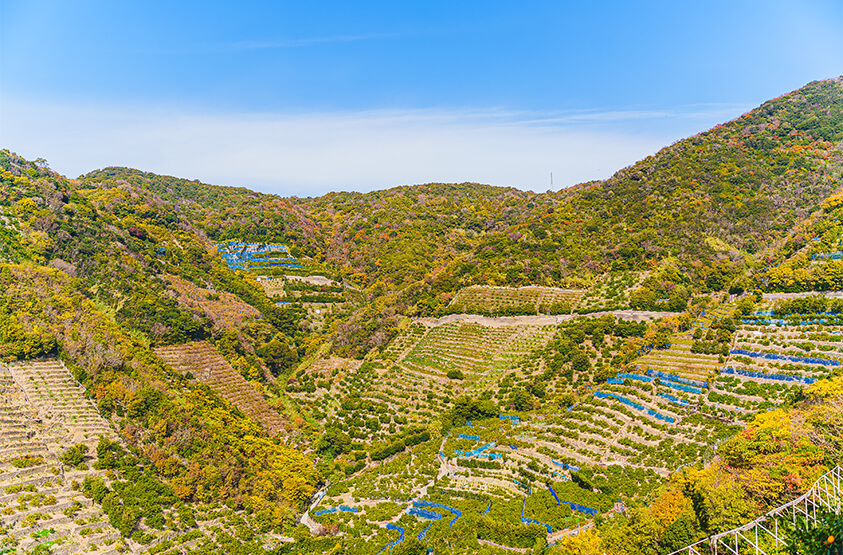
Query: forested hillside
x=506, y=357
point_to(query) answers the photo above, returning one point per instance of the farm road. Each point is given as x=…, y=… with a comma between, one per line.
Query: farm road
x=499, y=321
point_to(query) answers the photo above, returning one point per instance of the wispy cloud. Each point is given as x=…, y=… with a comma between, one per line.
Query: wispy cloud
x=310, y=154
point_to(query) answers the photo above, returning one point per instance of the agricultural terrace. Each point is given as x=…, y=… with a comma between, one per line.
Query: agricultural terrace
x=60, y=401
x=610, y=292
x=38, y=501
x=272, y=286
x=202, y=362
x=507, y=301
x=58, y=495
x=458, y=350
x=226, y=310
x=479, y=488
x=256, y=256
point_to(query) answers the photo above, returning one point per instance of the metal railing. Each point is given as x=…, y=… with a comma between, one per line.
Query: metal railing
x=764, y=535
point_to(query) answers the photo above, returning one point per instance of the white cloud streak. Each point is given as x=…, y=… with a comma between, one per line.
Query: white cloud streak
x=311, y=154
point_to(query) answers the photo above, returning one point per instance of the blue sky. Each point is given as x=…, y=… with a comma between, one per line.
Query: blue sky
x=306, y=97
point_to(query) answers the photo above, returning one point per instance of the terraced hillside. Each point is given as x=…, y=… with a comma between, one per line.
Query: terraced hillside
x=482, y=299
x=225, y=310
x=40, y=501
x=60, y=401
x=206, y=365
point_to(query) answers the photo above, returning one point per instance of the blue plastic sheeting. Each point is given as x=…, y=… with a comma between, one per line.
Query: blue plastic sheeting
x=566, y=466
x=780, y=322
x=514, y=419
x=456, y=512
x=677, y=379
x=342, y=508
x=487, y=508
x=525, y=486
x=468, y=423
x=424, y=513
x=831, y=255
x=580, y=508
x=673, y=399
x=525, y=520
x=240, y=256
x=428, y=515
x=680, y=387
x=492, y=456
x=638, y=377
x=767, y=376
x=553, y=493
x=478, y=452
x=634, y=405
x=400, y=539
x=475, y=438
x=791, y=358
x=762, y=313
x=615, y=381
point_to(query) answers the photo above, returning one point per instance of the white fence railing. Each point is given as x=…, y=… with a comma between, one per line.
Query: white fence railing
x=764, y=535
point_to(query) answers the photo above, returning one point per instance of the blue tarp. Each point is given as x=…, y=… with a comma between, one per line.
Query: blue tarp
x=767, y=376
x=475, y=438
x=790, y=358
x=525, y=520
x=677, y=379
x=615, y=381
x=400, y=539
x=673, y=399
x=566, y=466
x=343, y=508
x=478, y=452
x=634, y=405
x=424, y=513
x=525, y=486
x=638, y=377
x=680, y=387
x=513, y=419
x=422, y=504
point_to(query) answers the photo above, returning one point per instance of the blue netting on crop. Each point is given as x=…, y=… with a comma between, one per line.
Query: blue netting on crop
x=634, y=405
x=475, y=438
x=424, y=513
x=767, y=376
x=566, y=466
x=673, y=399
x=514, y=419
x=343, y=508
x=525, y=486
x=430, y=504
x=762, y=313
x=240, y=256
x=400, y=539
x=829, y=255
x=675, y=378
x=478, y=452
x=638, y=377
x=525, y=520
x=780, y=322
x=579, y=508
x=791, y=358
x=680, y=387
x=615, y=381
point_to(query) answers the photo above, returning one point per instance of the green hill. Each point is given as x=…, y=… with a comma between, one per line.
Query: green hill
x=623, y=328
